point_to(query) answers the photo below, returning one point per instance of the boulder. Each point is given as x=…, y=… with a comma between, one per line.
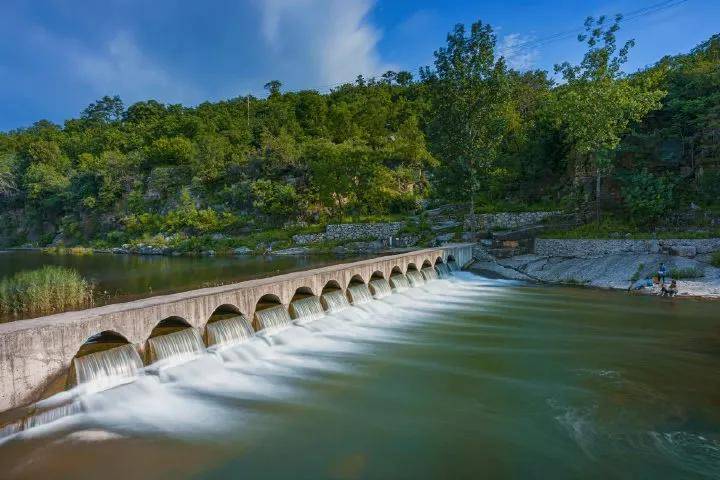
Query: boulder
x=292, y=251
x=242, y=251
x=688, y=251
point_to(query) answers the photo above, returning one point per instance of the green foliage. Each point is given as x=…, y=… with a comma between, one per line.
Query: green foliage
x=687, y=272
x=47, y=290
x=275, y=199
x=636, y=276
x=715, y=259
x=647, y=196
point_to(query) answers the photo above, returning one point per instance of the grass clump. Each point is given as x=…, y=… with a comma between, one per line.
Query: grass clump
x=46, y=290
x=688, y=272
x=715, y=259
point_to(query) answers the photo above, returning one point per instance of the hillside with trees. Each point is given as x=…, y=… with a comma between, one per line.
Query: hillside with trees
x=468, y=129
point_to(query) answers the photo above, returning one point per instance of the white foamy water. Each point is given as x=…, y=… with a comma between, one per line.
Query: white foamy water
x=415, y=278
x=443, y=270
x=307, y=309
x=380, y=288
x=335, y=301
x=429, y=274
x=273, y=318
x=176, y=346
x=399, y=283
x=107, y=367
x=228, y=331
x=360, y=294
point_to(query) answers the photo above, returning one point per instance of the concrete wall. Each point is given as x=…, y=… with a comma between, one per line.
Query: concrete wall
x=547, y=247
x=351, y=231
x=35, y=353
x=505, y=220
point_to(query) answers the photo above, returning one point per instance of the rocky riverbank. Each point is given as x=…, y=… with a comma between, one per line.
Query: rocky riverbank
x=696, y=277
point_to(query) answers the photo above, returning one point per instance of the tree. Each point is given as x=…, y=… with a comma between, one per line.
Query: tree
x=596, y=105
x=469, y=94
x=273, y=87
x=107, y=109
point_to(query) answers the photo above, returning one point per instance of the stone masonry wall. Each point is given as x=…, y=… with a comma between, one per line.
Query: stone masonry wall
x=594, y=248
x=351, y=231
x=505, y=220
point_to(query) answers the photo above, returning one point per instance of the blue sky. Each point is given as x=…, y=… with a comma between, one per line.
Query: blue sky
x=57, y=56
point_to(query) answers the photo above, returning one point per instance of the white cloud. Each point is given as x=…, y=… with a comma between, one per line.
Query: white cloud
x=121, y=67
x=333, y=39
x=517, y=56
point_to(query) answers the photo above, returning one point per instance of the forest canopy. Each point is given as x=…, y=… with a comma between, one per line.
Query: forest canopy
x=467, y=129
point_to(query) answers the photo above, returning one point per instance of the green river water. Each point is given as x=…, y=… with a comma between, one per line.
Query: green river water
x=462, y=378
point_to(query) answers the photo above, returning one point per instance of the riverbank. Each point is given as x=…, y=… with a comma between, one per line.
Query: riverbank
x=696, y=277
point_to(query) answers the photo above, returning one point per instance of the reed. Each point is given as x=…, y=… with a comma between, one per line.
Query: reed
x=46, y=290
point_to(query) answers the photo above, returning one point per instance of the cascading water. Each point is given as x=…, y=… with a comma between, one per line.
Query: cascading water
x=360, y=294
x=453, y=266
x=107, y=367
x=307, y=309
x=415, y=278
x=380, y=288
x=429, y=274
x=273, y=317
x=180, y=345
x=51, y=415
x=228, y=331
x=443, y=270
x=335, y=301
x=399, y=282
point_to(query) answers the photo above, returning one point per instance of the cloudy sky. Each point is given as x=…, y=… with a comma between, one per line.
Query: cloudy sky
x=56, y=56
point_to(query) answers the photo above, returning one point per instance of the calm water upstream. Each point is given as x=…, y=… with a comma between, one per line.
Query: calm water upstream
x=125, y=277
x=461, y=378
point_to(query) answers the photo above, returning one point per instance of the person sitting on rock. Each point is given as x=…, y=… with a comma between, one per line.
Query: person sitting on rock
x=669, y=291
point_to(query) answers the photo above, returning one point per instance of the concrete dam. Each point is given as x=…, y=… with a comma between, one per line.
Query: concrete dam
x=43, y=356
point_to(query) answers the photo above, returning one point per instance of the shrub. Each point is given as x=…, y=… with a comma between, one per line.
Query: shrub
x=715, y=259
x=647, y=196
x=688, y=272
x=46, y=290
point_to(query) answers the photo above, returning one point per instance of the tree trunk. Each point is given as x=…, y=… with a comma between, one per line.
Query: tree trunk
x=597, y=196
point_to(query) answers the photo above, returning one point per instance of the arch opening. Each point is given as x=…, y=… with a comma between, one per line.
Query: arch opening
x=226, y=326
x=411, y=267
x=332, y=299
x=302, y=292
x=377, y=274
x=396, y=271
x=439, y=260
x=398, y=280
x=358, y=291
x=173, y=338
x=270, y=313
x=105, y=359
x=379, y=286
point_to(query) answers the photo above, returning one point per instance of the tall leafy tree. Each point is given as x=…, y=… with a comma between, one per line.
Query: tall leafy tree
x=597, y=103
x=469, y=91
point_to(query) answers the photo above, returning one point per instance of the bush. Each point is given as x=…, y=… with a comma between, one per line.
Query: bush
x=47, y=290
x=688, y=272
x=715, y=259
x=647, y=196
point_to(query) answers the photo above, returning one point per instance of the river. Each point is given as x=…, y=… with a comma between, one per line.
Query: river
x=119, y=278
x=460, y=378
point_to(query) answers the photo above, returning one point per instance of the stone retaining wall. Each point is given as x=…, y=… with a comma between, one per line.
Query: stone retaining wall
x=351, y=231
x=594, y=248
x=506, y=220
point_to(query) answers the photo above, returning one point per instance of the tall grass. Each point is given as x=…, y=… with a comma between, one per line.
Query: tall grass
x=46, y=290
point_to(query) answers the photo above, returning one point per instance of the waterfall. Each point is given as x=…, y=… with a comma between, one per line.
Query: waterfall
x=399, y=282
x=10, y=429
x=429, y=274
x=106, y=367
x=273, y=317
x=443, y=270
x=415, y=278
x=227, y=331
x=453, y=266
x=335, y=301
x=360, y=294
x=307, y=309
x=182, y=344
x=380, y=288
x=52, y=414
